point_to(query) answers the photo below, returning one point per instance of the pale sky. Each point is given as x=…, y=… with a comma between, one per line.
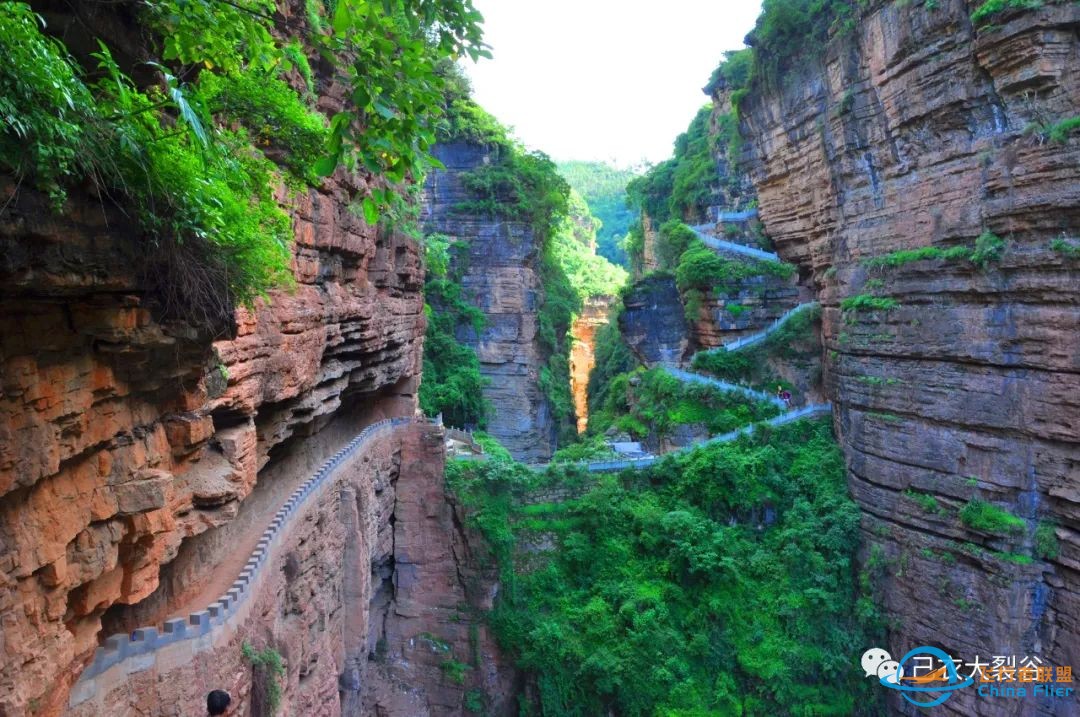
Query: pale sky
x=611, y=80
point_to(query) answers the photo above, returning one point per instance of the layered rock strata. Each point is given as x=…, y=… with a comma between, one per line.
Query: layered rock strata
x=123, y=436
x=918, y=130
x=500, y=275
x=653, y=321
x=582, y=354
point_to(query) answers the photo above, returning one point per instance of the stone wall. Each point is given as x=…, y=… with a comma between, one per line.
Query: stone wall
x=913, y=132
x=500, y=275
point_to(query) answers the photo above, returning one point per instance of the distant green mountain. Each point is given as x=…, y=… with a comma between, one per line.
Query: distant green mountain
x=604, y=188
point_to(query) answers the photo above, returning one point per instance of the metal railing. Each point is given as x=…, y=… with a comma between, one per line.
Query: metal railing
x=144, y=641
x=743, y=216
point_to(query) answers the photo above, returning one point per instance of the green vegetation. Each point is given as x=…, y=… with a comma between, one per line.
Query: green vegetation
x=464, y=120
x=679, y=187
x=475, y=701
x=1046, y=540
x=455, y=671
x=1016, y=558
x=520, y=185
x=796, y=341
x=572, y=245
x=273, y=113
x=452, y=382
x=268, y=668
x=789, y=30
x=654, y=401
x=988, y=250
x=526, y=187
x=671, y=593
x=906, y=256
x=925, y=501
x=492, y=448
x=613, y=358
x=672, y=240
x=1061, y=131
x=189, y=160
x=702, y=268
x=990, y=9
x=1066, y=247
x=866, y=302
x=987, y=518
x=604, y=189
x=592, y=448
x=734, y=72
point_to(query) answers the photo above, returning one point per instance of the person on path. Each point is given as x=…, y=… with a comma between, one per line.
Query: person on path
x=217, y=703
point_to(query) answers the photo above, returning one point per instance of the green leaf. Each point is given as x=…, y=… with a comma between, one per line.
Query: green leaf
x=371, y=211
x=325, y=166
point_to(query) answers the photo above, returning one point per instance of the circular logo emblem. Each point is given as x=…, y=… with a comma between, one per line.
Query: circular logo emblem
x=946, y=675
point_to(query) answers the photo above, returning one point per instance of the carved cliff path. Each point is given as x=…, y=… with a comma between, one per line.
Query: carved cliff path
x=638, y=463
x=700, y=378
x=761, y=335
x=223, y=605
x=722, y=245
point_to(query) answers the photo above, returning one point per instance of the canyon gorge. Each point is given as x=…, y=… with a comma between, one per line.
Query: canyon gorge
x=875, y=220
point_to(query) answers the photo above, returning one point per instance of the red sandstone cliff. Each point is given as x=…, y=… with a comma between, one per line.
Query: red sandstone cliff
x=140, y=457
x=910, y=133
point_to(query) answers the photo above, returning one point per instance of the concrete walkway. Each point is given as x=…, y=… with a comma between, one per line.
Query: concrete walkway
x=646, y=462
x=703, y=379
x=721, y=245
x=761, y=335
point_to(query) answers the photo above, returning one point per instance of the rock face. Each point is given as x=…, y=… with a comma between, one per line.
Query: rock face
x=430, y=652
x=653, y=322
x=582, y=357
x=650, y=259
x=122, y=437
x=910, y=133
x=501, y=277
x=365, y=599
x=740, y=308
x=129, y=444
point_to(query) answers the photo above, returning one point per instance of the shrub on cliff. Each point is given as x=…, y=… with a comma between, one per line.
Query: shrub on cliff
x=702, y=268
x=988, y=518
x=653, y=402
x=787, y=30
x=187, y=160
x=719, y=582
x=681, y=187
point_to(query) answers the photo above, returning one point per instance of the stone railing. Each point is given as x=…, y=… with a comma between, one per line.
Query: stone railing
x=136, y=650
x=755, y=338
x=722, y=245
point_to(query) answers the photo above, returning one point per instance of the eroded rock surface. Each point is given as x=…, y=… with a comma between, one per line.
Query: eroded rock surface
x=911, y=133
x=122, y=436
x=501, y=276
x=582, y=354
